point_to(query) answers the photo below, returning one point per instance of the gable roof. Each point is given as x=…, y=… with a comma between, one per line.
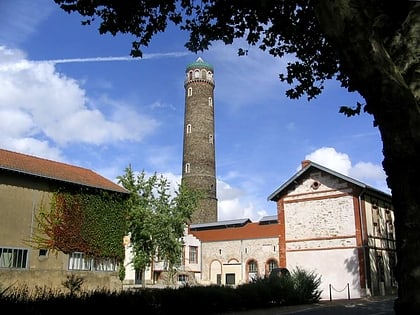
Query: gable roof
x=307, y=165
x=240, y=229
x=35, y=166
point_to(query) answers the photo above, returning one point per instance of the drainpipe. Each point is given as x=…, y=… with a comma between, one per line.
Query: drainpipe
x=362, y=226
x=242, y=263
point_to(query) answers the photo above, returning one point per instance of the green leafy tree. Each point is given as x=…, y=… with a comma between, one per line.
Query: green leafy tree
x=370, y=46
x=157, y=218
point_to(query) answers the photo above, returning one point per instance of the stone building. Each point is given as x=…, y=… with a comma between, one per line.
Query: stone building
x=338, y=227
x=236, y=251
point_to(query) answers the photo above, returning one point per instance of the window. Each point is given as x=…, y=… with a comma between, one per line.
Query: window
x=271, y=265
x=13, y=258
x=252, y=270
x=183, y=278
x=189, y=128
x=79, y=261
x=196, y=74
x=252, y=266
x=230, y=279
x=211, y=139
x=187, y=168
x=193, y=255
x=189, y=93
x=210, y=102
x=105, y=265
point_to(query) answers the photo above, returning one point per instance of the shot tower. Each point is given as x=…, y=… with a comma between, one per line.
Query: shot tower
x=198, y=163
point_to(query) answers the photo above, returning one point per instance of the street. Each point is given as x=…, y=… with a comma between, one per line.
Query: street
x=365, y=306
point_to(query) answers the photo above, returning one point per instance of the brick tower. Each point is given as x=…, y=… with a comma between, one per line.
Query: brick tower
x=198, y=162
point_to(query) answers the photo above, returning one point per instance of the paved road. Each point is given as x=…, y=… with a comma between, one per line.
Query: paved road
x=364, y=306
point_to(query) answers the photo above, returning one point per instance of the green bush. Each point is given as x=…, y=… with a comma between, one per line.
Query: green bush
x=298, y=287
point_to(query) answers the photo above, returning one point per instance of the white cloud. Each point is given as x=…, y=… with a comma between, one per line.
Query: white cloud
x=39, y=102
x=236, y=203
x=366, y=172
x=330, y=158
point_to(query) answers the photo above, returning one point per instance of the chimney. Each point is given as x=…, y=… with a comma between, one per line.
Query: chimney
x=305, y=163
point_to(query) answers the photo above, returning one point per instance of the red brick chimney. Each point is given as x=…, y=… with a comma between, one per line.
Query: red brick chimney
x=305, y=163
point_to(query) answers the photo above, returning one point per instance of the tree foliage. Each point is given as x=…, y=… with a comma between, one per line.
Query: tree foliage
x=157, y=217
x=370, y=46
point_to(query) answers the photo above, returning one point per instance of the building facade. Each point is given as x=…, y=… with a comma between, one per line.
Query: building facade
x=235, y=252
x=338, y=227
x=27, y=184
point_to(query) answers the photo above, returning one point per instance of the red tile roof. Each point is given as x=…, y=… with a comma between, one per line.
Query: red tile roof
x=36, y=166
x=248, y=231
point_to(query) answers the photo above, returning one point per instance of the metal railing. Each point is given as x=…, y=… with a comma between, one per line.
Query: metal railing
x=346, y=287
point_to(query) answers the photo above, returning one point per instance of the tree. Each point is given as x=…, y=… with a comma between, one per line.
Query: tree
x=156, y=218
x=370, y=46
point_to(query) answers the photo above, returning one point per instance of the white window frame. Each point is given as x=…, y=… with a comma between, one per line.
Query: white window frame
x=14, y=258
x=79, y=261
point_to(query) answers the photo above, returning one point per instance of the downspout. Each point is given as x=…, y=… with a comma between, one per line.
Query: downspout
x=242, y=264
x=362, y=227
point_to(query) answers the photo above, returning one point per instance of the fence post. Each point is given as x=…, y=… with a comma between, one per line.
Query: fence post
x=348, y=291
x=330, y=292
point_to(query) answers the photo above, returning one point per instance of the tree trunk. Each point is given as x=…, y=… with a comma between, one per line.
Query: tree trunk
x=391, y=90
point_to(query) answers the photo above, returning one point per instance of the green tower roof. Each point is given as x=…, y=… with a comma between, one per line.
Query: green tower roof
x=199, y=63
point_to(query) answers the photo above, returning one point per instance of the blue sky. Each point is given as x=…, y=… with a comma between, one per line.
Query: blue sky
x=72, y=95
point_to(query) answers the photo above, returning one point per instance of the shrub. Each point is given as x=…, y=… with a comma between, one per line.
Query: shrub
x=300, y=287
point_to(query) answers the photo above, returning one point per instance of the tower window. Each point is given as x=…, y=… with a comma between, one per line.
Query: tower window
x=189, y=91
x=189, y=128
x=190, y=75
x=196, y=74
x=187, y=168
x=203, y=74
x=210, y=102
x=211, y=139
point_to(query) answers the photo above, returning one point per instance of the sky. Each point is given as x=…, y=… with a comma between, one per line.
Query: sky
x=71, y=95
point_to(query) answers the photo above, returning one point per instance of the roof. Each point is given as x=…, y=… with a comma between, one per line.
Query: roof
x=311, y=165
x=199, y=63
x=35, y=166
x=219, y=224
x=226, y=231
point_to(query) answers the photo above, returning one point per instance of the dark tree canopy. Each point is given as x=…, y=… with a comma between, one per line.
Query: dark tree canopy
x=370, y=46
